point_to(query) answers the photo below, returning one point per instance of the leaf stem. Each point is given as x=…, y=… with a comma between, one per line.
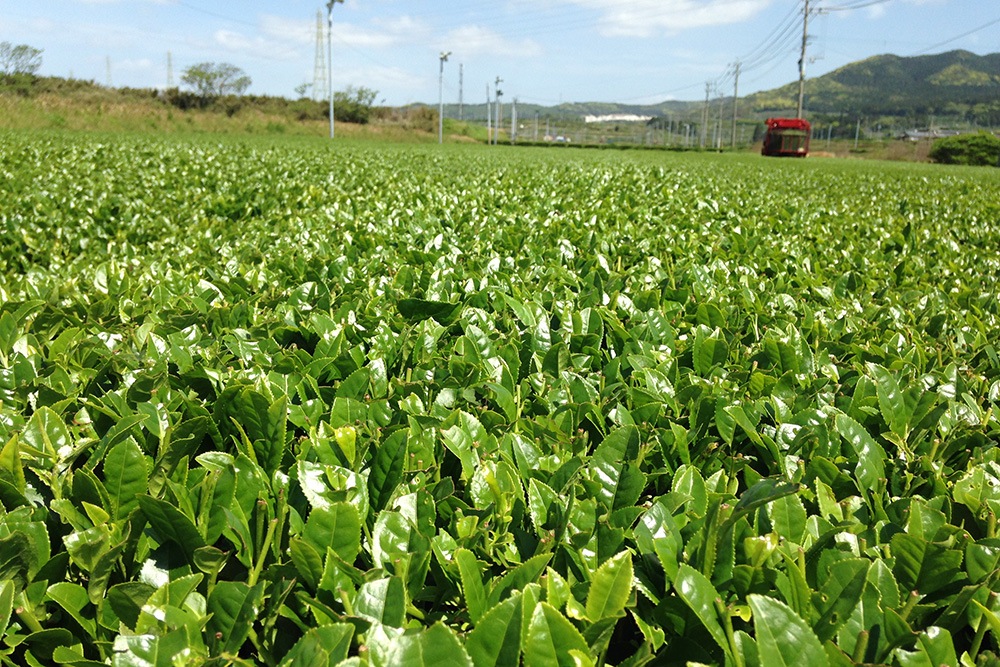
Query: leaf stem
x=262, y=555
x=727, y=623
x=861, y=647
x=25, y=613
x=261, y=653
x=911, y=602
x=977, y=641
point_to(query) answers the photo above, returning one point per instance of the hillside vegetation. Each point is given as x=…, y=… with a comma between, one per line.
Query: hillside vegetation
x=957, y=84
x=56, y=103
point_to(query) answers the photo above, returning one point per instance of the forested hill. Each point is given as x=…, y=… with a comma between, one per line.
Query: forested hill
x=956, y=83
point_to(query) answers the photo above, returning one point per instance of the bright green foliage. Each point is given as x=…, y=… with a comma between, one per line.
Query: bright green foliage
x=295, y=405
x=979, y=149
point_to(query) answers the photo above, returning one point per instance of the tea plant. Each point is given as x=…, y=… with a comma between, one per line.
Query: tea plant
x=293, y=405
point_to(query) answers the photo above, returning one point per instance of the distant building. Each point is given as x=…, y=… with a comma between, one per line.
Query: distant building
x=917, y=135
x=617, y=118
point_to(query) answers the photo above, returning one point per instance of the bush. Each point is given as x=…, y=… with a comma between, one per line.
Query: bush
x=354, y=105
x=972, y=149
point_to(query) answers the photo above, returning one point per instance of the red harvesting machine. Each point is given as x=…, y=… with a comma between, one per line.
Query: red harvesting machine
x=786, y=137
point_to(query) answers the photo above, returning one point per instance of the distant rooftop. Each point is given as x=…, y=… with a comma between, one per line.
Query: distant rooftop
x=617, y=118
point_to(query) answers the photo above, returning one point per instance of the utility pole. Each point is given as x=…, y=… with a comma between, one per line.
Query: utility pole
x=499, y=115
x=443, y=58
x=489, y=117
x=736, y=97
x=513, y=121
x=802, y=58
x=704, y=114
x=108, y=63
x=461, y=85
x=170, y=70
x=718, y=125
x=329, y=56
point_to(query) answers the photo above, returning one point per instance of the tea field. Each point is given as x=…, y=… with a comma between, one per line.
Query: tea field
x=294, y=404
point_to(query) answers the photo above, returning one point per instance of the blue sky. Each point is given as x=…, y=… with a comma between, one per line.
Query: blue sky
x=546, y=51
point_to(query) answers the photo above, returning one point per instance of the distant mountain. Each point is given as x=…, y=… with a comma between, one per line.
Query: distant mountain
x=957, y=85
x=950, y=84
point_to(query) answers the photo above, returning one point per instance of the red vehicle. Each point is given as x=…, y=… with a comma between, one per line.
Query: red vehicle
x=786, y=137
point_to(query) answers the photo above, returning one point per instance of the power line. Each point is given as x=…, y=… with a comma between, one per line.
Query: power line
x=859, y=4
x=957, y=37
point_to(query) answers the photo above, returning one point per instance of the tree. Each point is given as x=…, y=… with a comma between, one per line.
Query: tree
x=354, y=105
x=19, y=59
x=980, y=149
x=216, y=79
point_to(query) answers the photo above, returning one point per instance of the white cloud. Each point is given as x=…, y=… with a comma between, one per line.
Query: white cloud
x=134, y=65
x=644, y=18
x=405, y=27
x=301, y=32
x=254, y=46
x=386, y=33
x=353, y=35
x=876, y=12
x=476, y=40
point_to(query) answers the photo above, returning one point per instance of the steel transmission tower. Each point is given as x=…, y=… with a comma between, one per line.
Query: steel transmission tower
x=319, y=91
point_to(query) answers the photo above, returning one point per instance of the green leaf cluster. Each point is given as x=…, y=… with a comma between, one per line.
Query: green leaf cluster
x=272, y=404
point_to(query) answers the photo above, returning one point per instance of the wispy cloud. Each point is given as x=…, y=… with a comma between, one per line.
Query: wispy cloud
x=261, y=47
x=291, y=31
x=645, y=18
x=473, y=40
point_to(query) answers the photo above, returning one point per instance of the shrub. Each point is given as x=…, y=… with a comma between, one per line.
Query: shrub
x=979, y=149
x=354, y=105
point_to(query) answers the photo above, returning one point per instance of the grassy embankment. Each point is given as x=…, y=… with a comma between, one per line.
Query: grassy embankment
x=57, y=104
x=54, y=104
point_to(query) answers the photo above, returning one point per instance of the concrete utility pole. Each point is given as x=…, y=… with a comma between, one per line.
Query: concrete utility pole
x=170, y=70
x=736, y=97
x=513, y=121
x=499, y=115
x=443, y=58
x=704, y=114
x=802, y=58
x=461, y=85
x=329, y=56
x=718, y=125
x=489, y=117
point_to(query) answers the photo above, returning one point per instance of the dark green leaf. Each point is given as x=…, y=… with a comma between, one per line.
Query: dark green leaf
x=783, y=638
x=610, y=588
x=337, y=527
x=496, y=639
x=233, y=607
x=550, y=638
x=125, y=477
